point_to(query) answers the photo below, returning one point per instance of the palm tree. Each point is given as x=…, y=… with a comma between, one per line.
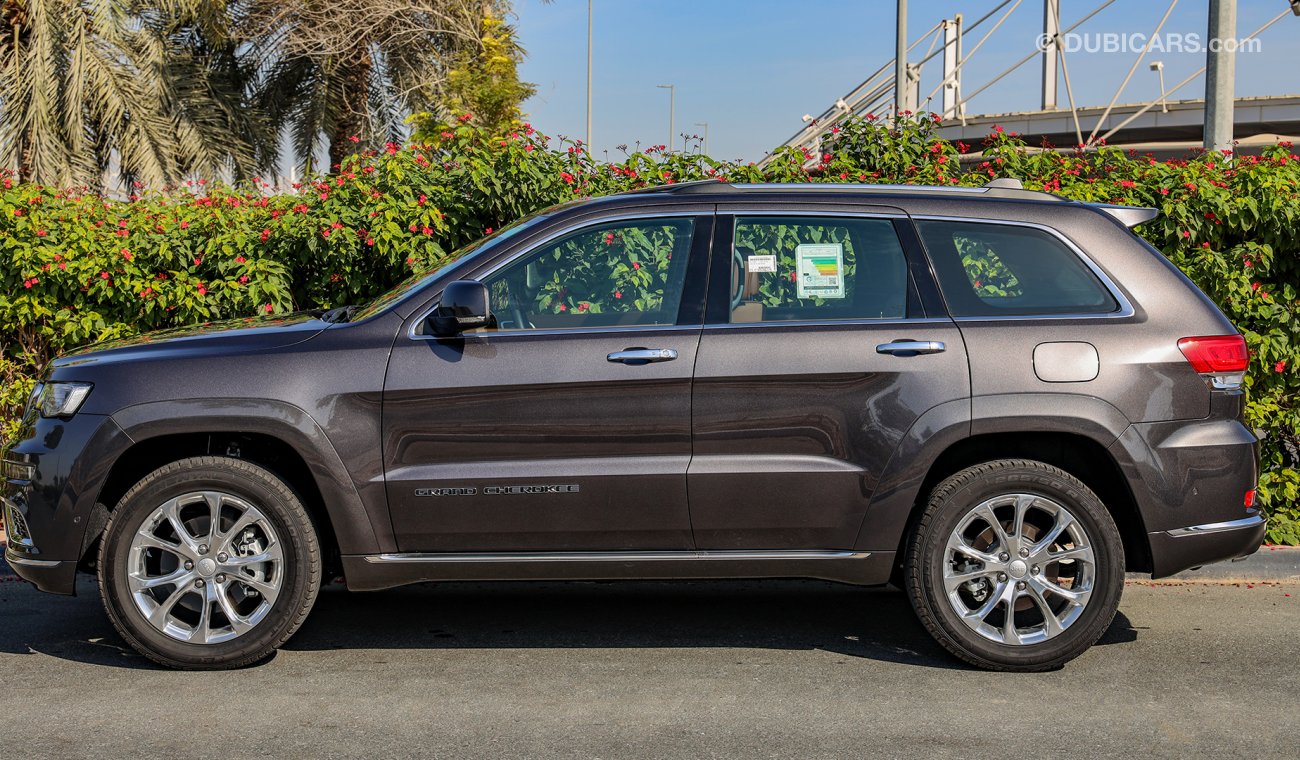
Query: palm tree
x=335, y=72
x=146, y=87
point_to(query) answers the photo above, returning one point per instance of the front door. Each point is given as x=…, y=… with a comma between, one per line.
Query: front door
x=565, y=426
x=814, y=364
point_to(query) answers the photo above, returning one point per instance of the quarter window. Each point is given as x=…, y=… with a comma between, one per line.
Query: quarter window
x=988, y=269
x=811, y=268
x=620, y=273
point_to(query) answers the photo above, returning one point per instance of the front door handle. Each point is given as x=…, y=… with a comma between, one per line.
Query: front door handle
x=911, y=347
x=643, y=355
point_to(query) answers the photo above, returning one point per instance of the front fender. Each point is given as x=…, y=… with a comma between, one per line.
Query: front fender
x=357, y=529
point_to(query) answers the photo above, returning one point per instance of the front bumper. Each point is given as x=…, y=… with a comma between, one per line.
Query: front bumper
x=49, y=498
x=1196, y=545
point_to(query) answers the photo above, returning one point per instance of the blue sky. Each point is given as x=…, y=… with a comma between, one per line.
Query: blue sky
x=751, y=68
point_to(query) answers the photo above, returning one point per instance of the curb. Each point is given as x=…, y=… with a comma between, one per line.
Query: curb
x=1269, y=564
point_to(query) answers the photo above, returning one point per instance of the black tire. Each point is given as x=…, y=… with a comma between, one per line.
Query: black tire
x=298, y=543
x=950, y=503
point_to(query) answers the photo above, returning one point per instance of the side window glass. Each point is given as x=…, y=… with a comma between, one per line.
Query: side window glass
x=620, y=273
x=813, y=268
x=990, y=269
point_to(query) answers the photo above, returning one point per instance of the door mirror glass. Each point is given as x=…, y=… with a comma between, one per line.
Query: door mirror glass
x=464, y=306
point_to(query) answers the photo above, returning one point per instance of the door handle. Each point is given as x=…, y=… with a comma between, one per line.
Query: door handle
x=643, y=355
x=911, y=347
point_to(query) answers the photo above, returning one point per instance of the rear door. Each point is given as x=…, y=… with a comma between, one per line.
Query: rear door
x=565, y=426
x=823, y=344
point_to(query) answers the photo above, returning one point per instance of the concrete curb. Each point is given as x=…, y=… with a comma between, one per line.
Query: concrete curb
x=1269, y=564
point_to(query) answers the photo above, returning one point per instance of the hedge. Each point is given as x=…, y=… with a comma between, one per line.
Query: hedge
x=77, y=267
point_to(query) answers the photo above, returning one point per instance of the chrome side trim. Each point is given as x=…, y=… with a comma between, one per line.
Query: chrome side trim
x=1219, y=527
x=631, y=556
x=15, y=559
x=1125, y=307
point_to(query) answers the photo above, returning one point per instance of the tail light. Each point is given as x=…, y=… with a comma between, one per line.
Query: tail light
x=1222, y=359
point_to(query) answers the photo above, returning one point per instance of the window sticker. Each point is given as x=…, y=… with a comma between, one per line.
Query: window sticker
x=756, y=264
x=820, y=270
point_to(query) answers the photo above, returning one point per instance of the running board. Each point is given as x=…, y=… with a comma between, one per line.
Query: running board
x=373, y=572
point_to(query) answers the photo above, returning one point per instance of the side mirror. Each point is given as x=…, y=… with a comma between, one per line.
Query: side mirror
x=464, y=306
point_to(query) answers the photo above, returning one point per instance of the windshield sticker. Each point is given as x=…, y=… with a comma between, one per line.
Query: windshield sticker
x=820, y=269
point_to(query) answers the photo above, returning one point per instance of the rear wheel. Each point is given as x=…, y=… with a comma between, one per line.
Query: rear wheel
x=1015, y=565
x=209, y=563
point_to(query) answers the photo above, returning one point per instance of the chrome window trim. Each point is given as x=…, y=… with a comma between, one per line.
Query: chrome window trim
x=424, y=316
x=853, y=322
x=1253, y=521
x=1125, y=307
x=628, y=556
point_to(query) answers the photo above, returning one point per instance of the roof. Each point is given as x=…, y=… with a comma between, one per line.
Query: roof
x=1004, y=188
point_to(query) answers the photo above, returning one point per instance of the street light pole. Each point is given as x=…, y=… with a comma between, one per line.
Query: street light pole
x=1159, y=67
x=589, y=148
x=1220, y=70
x=704, y=124
x=672, y=111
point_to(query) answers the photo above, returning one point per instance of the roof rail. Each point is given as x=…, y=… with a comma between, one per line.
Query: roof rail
x=1005, y=187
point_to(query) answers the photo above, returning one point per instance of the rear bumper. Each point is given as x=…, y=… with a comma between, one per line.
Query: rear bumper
x=1178, y=549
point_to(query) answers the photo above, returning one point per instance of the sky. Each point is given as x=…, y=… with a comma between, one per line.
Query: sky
x=752, y=68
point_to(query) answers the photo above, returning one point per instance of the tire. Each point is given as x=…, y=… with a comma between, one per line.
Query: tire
x=218, y=599
x=962, y=599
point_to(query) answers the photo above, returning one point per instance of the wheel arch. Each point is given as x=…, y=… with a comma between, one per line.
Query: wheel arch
x=275, y=435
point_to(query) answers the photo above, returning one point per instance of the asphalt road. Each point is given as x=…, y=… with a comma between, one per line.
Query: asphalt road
x=688, y=670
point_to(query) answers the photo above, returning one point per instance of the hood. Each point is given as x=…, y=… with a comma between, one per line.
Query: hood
x=233, y=335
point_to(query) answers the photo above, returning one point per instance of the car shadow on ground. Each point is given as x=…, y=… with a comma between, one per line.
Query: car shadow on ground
x=875, y=624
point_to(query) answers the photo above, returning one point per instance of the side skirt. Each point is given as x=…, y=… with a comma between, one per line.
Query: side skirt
x=381, y=571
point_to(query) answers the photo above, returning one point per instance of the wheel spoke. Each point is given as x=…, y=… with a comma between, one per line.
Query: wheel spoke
x=269, y=591
x=1051, y=625
x=172, y=513
x=957, y=543
x=953, y=581
x=1023, y=503
x=150, y=541
x=163, y=609
x=1076, y=553
x=246, y=520
x=1077, y=597
x=213, y=500
x=985, y=513
x=1063, y=521
x=1009, y=633
x=974, y=617
x=203, y=629
x=237, y=624
x=271, y=553
x=178, y=577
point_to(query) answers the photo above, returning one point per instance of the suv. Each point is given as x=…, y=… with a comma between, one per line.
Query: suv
x=999, y=400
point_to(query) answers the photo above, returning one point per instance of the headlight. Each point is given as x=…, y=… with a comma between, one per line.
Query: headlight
x=62, y=399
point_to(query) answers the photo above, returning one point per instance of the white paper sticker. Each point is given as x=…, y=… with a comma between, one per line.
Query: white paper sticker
x=755, y=264
x=820, y=270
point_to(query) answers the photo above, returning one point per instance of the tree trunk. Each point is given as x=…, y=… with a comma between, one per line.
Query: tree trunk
x=353, y=124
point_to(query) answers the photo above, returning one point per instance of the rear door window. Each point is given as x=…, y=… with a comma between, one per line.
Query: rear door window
x=816, y=268
x=988, y=269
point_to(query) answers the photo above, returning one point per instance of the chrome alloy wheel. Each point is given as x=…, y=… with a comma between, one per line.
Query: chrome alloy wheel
x=1019, y=569
x=205, y=567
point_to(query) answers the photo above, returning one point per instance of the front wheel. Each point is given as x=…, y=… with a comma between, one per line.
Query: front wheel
x=1015, y=565
x=209, y=563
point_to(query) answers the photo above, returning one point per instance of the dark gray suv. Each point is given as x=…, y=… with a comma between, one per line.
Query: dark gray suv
x=997, y=399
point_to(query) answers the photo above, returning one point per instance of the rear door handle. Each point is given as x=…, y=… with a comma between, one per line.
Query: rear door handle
x=643, y=355
x=911, y=347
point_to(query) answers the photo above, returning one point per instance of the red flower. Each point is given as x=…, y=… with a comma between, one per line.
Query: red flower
x=198, y=262
x=354, y=139
x=635, y=265
x=979, y=284
x=126, y=254
x=618, y=294
x=240, y=259
x=243, y=279
x=41, y=233
x=488, y=231
x=584, y=306
x=370, y=241
x=1279, y=366
x=324, y=233
x=268, y=308
x=202, y=290
x=563, y=307
x=427, y=230
x=421, y=201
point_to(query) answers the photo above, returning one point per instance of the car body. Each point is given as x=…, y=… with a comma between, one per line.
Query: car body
x=765, y=428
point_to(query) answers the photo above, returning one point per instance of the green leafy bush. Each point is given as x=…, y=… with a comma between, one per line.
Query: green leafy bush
x=78, y=268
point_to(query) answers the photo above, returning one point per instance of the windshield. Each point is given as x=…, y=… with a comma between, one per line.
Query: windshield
x=420, y=277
